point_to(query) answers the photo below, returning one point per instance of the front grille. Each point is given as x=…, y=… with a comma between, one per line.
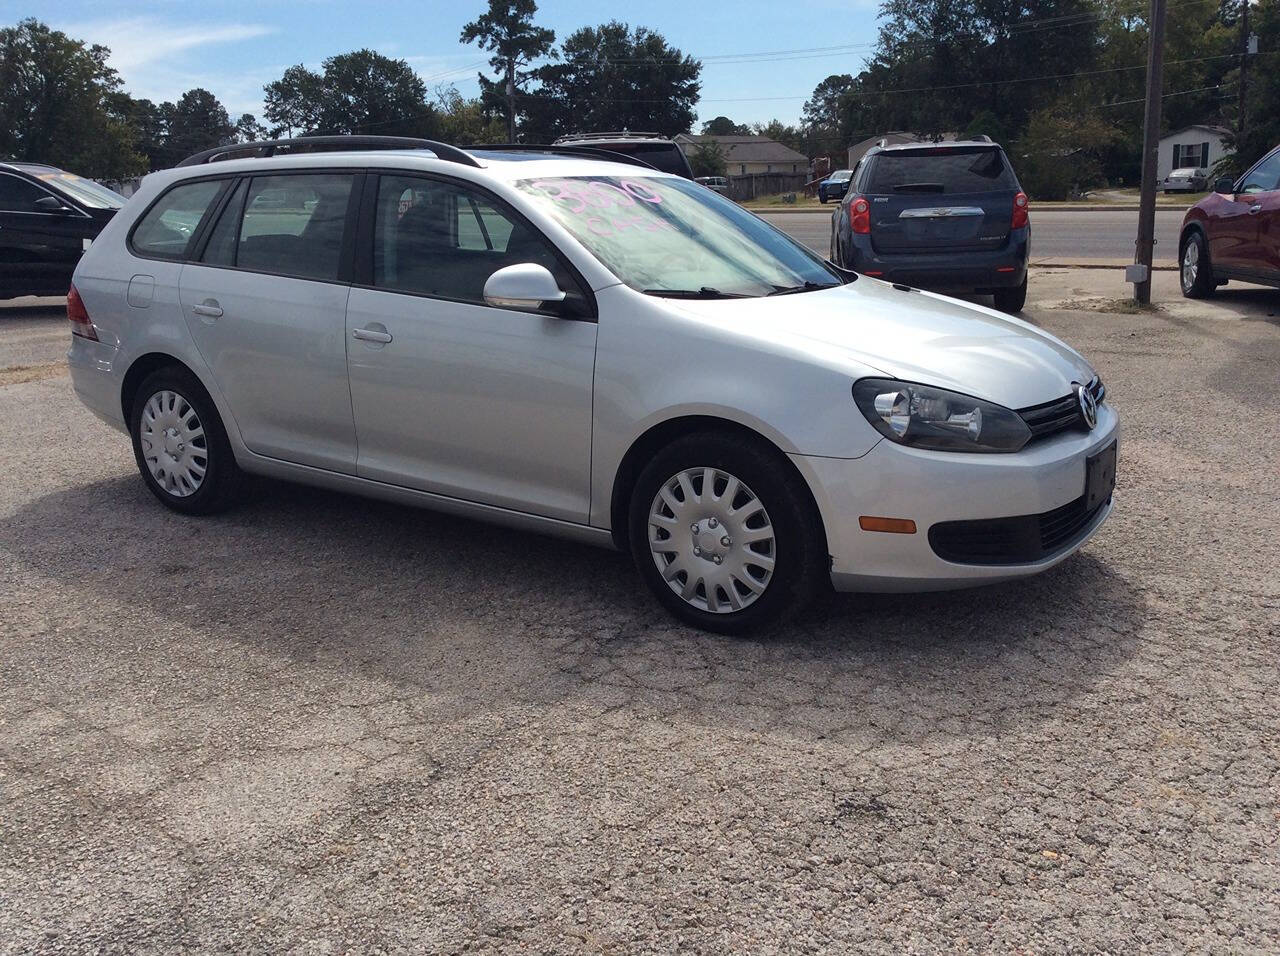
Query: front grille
x=1020, y=540
x=1059, y=415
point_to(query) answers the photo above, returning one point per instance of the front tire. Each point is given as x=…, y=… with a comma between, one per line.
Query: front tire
x=1195, y=272
x=1012, y=300
x=725, y=534
x=181, y=446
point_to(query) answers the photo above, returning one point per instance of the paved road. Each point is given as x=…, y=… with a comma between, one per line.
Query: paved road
x=321, y=724
x=1088, y=235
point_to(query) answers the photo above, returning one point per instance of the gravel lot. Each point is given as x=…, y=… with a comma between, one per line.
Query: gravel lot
x=327, y=725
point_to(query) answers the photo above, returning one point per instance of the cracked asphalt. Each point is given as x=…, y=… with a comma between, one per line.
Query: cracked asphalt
x=321, y=724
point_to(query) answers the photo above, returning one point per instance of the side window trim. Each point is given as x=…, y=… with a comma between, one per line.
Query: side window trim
x=186, y=255
x=363, y=260
x=205, y=230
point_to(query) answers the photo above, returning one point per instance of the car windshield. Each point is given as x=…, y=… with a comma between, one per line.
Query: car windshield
x=941, y=170
x=85, y=191
x=1185, y=173
x=670, y=236
x=841, y=175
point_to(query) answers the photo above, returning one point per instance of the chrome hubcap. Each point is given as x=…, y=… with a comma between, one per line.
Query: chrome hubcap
x=712, y=540
x=1190, y=265
x=173, y=443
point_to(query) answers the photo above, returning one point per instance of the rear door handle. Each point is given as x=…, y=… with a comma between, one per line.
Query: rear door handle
x=209, y=307
x=371, y=335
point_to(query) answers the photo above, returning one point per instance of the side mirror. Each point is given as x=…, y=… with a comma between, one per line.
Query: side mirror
x=524, y=286
x=53, y=205
x=1225, y=185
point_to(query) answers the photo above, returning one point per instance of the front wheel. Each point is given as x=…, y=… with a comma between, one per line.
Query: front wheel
x=1195, y=275
x=724, y=533
x=1012, y=300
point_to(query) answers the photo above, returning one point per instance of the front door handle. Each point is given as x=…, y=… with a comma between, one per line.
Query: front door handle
x=1254, y=210
x=209, y=307
x=371, y=335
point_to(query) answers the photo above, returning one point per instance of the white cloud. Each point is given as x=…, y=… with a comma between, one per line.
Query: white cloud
x=139, y=42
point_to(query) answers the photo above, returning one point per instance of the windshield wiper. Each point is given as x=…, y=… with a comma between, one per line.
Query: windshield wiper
x=706, y=292
x=809, y=286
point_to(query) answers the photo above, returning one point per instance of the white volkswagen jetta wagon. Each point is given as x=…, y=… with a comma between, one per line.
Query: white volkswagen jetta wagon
x=580, y=345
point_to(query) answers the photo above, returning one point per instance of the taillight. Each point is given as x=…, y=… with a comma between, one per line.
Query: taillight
x=81, y=324
x=1019, y=211
x=860, y=216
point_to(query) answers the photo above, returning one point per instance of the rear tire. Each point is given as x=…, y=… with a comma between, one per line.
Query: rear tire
x=1195, y=272
x=1012, y=300
x=181, y=446
x=775, y=558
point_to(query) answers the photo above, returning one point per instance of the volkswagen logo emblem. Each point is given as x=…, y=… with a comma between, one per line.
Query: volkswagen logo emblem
x=1088, y=405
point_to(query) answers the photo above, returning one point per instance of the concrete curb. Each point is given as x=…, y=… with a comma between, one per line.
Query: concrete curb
x=1061, y=263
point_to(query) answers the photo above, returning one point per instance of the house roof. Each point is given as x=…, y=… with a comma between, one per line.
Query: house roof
x=746, y=149
x=1219, y=130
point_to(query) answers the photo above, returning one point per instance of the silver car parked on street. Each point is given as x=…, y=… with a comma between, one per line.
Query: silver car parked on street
x=585, y=348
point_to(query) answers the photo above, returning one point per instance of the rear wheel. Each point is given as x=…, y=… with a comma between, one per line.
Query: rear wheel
x=1012, y=300
x=180, y=445
x=1195, y=273
x=724, y=534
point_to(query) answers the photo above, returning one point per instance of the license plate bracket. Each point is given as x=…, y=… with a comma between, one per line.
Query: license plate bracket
x=1099, y=476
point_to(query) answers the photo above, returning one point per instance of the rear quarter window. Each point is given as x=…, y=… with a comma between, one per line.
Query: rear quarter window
x=166, y=229
x=941, y=171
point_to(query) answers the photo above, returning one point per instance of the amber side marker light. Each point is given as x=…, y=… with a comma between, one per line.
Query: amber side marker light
x=887, y=525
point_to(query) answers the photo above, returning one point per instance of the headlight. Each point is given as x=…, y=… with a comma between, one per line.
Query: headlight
x=927, y=417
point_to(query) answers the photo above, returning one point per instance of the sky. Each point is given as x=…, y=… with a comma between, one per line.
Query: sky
x=760, y=60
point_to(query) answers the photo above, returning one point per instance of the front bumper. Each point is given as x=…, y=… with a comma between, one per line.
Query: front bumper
x=896, y=481
x=968, y=270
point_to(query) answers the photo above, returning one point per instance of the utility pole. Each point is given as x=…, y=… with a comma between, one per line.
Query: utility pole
x=511, y=99
x=1141, y=272
x=1244, y=69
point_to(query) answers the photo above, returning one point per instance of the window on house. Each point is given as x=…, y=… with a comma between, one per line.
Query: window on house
x=1190, y=155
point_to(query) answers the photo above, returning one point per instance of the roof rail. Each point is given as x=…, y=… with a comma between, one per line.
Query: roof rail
x=615, y=134
x=586, y=151
x=269, y=147
x=982, y=138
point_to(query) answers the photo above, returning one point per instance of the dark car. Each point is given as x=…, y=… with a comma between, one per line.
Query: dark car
x=658, y=151
x=835, y=185
x=942, y=216
x=1234, y=232
x=48, y=217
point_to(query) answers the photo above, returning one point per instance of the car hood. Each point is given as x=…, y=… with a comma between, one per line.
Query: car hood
x=916, y=336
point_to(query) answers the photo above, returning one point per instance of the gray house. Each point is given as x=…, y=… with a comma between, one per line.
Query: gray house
x=745, y=155
x=1198, y=146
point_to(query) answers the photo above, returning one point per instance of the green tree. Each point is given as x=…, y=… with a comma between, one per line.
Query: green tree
x=1060, y=152
x=59, y=103
x=707, y=159
x=465, y=121
x=294, y=102
x=507, y=31
x=357, y=92
x=612, y=77
x=723, y=126
x=249, y=130
x=196, y=122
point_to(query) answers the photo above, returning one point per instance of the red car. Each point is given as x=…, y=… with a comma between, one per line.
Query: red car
x=1234, y=233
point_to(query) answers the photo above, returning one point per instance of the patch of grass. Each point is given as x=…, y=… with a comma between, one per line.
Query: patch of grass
x=775, y=202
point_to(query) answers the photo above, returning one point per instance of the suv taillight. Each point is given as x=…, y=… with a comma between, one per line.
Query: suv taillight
x=81, y=324
x=860, y=215
x=1019, y=211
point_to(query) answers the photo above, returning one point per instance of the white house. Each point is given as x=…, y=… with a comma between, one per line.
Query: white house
x=1199, y=146
x=748, y=154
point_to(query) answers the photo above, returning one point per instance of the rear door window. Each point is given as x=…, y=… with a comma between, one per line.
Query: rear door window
x=940, y=171
x=167, y=228
x=292, y=225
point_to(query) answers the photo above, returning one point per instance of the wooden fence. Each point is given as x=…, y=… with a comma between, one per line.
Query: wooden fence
x=752, y=185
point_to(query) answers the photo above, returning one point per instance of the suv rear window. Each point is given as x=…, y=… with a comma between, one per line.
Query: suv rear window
x=662, y=156
x=959, y=170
